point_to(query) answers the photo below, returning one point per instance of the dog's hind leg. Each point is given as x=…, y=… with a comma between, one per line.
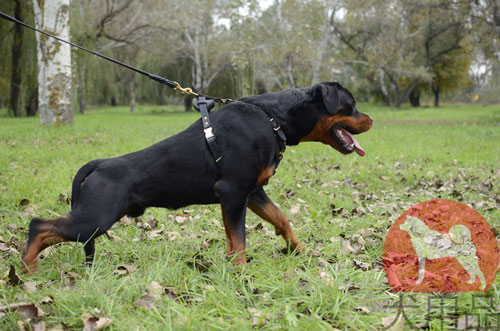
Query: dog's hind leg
x=42, y=234
x=89, y=248
x=233, y=203
x=421, y=269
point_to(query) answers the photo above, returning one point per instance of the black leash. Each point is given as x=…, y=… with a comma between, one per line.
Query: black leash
x=170, y=83
x=202, y=103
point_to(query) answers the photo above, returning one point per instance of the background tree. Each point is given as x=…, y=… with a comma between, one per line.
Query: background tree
x=386, y=47
x=54, y=62
x=17, y=56
x=383, y=50
x=447, y=52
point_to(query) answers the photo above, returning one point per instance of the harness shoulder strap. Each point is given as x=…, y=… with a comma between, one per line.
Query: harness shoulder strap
x=204, y=106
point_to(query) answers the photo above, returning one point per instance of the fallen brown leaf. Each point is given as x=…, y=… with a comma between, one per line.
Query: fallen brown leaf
x=153, y=292
x=30, y=287
x=25, y=309
x=295, y=210
x=24, y=202
x=124, y=269
x=361, y=265
x=327, y=279
x=258, y=318
x=126, y=220
x=13, y=277
x=96, y=323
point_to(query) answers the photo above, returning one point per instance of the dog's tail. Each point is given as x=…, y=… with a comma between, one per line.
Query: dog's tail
x=80, y=177
x=459, y=234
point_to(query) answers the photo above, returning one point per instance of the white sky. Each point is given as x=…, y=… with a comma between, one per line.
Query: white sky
x=265, y=3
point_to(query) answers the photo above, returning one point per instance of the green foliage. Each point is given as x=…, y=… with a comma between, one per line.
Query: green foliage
x=236, y=48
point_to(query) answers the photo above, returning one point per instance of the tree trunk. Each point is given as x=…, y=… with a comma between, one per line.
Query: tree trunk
x=321, y=50
x=132, y=95
x=17, y=53
x=188, y=102
x=32, y=106
x=407, y=92
x=415, y=97
x=383, y=88
x=54, y=62
x=436, y=90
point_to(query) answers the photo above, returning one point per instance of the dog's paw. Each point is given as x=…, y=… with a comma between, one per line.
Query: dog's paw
x=300, y=248
x=291, y=250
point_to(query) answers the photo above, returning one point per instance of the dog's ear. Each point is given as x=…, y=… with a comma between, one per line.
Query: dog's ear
x=329, y=94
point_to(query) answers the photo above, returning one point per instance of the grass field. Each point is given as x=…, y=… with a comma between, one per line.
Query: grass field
x=341, y=207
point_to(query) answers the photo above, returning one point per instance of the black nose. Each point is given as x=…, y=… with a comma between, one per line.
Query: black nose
x=371, y=118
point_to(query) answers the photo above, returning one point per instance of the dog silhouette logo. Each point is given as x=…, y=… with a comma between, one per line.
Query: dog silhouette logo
x=440, y=246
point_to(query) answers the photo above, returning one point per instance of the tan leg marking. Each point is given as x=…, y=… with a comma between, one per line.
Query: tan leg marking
x=264, y=175
x=269, y=212
x=235, y=246
x=39, y=243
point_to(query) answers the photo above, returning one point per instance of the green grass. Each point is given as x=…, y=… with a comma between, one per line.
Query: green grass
x=410, y=153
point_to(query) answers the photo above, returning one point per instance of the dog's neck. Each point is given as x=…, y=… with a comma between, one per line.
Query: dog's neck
x=290, y=109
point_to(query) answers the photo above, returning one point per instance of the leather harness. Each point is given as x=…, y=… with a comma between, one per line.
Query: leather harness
x=204, y=105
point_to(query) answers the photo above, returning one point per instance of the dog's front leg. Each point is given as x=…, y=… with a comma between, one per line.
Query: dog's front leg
x=261, y=205
x=233, y=205
x=421, y=269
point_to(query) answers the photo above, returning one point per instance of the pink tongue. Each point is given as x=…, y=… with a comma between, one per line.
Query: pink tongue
x=357, y=148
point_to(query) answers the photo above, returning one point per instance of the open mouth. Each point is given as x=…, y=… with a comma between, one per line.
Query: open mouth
x=346, y=141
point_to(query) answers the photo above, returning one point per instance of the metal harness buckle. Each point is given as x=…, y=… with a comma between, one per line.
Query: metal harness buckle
x=208, y=133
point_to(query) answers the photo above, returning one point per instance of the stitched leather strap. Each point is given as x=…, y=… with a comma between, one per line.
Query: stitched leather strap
x=204, y=106
x=280, y=134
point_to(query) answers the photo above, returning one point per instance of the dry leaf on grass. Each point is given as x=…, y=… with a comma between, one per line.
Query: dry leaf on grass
x=3, y=247
x=125, y=220
x=96, y=323
x=13, y=277
x=26, y=310
x=172, y=236
x=46, y=300
x=153, y=292
x=327, y=279
x=258, y=318
x=124, y=269
x=23, y=203
x=361, y=265
x=30, y=287
x=171, y=293
x=397, y=326
x=363, y=309
x=346, y=247
x=115, y=238
x=33, y=326
x=295, y=210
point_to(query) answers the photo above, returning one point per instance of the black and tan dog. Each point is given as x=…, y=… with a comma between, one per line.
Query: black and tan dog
x=180, y=170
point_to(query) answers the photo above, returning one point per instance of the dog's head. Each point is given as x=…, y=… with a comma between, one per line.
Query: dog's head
x=337, y=119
